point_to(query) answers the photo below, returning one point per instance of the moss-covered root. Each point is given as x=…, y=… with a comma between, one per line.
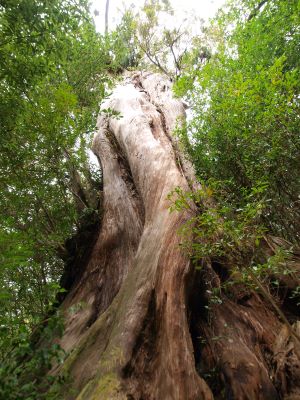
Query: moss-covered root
x=107, y=387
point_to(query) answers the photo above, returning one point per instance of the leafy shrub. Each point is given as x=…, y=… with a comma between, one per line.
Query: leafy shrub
x=25, y=365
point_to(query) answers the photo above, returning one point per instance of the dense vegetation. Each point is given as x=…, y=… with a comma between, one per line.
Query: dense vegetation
x=243, y=140
x=246, y=106
x=54, y=71
x=240, y=77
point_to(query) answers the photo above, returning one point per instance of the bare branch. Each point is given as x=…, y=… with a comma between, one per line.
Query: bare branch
x=106, y=16
x=256, y=9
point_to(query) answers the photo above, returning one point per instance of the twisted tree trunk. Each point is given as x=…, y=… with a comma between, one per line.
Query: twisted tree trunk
x=142, y=330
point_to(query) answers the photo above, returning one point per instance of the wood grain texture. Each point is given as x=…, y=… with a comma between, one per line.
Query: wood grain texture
x=140, y=332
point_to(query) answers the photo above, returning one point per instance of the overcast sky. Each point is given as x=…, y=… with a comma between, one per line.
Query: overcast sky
x=203, y=8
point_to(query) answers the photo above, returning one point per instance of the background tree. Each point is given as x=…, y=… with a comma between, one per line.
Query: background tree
x=165, y=39
x=245, y=103
x=54, y=71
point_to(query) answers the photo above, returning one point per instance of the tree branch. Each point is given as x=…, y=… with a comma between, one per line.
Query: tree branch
x=106, y=16
x=256, y=9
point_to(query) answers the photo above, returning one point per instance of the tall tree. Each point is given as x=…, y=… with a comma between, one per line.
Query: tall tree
x=151, y=325
x=172, y=289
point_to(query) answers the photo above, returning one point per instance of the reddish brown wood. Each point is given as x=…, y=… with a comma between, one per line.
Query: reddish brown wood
x=143, y=330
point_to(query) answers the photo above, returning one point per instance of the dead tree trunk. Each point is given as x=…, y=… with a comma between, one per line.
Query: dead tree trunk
x=142, y=330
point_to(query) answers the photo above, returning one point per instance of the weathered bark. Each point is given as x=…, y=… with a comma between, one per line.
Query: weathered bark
x=143, y=330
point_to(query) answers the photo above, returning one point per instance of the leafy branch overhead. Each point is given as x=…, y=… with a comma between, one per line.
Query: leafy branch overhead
x=165, y=38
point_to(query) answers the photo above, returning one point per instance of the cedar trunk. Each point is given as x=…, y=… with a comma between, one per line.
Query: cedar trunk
x=137, y=323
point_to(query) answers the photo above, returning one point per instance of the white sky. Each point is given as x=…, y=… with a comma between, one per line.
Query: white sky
x=202, y=8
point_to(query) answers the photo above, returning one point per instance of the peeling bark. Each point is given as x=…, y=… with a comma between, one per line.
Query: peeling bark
x=143, y=330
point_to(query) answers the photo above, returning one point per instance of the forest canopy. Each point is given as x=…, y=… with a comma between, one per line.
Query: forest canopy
x=239, y=76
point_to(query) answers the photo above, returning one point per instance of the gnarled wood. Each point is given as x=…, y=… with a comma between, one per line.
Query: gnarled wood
x=140, y=330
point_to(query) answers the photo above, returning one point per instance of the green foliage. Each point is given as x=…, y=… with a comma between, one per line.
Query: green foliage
x=164, y=40
x=54, y=72
x=232, y=238
x=219, y=231
x=41, y=117
x=243, y=140
x=124, y=40
x=245, y=103
x=23, y=368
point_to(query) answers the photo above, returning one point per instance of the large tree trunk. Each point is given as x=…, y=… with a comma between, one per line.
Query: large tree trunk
x=142, y=330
